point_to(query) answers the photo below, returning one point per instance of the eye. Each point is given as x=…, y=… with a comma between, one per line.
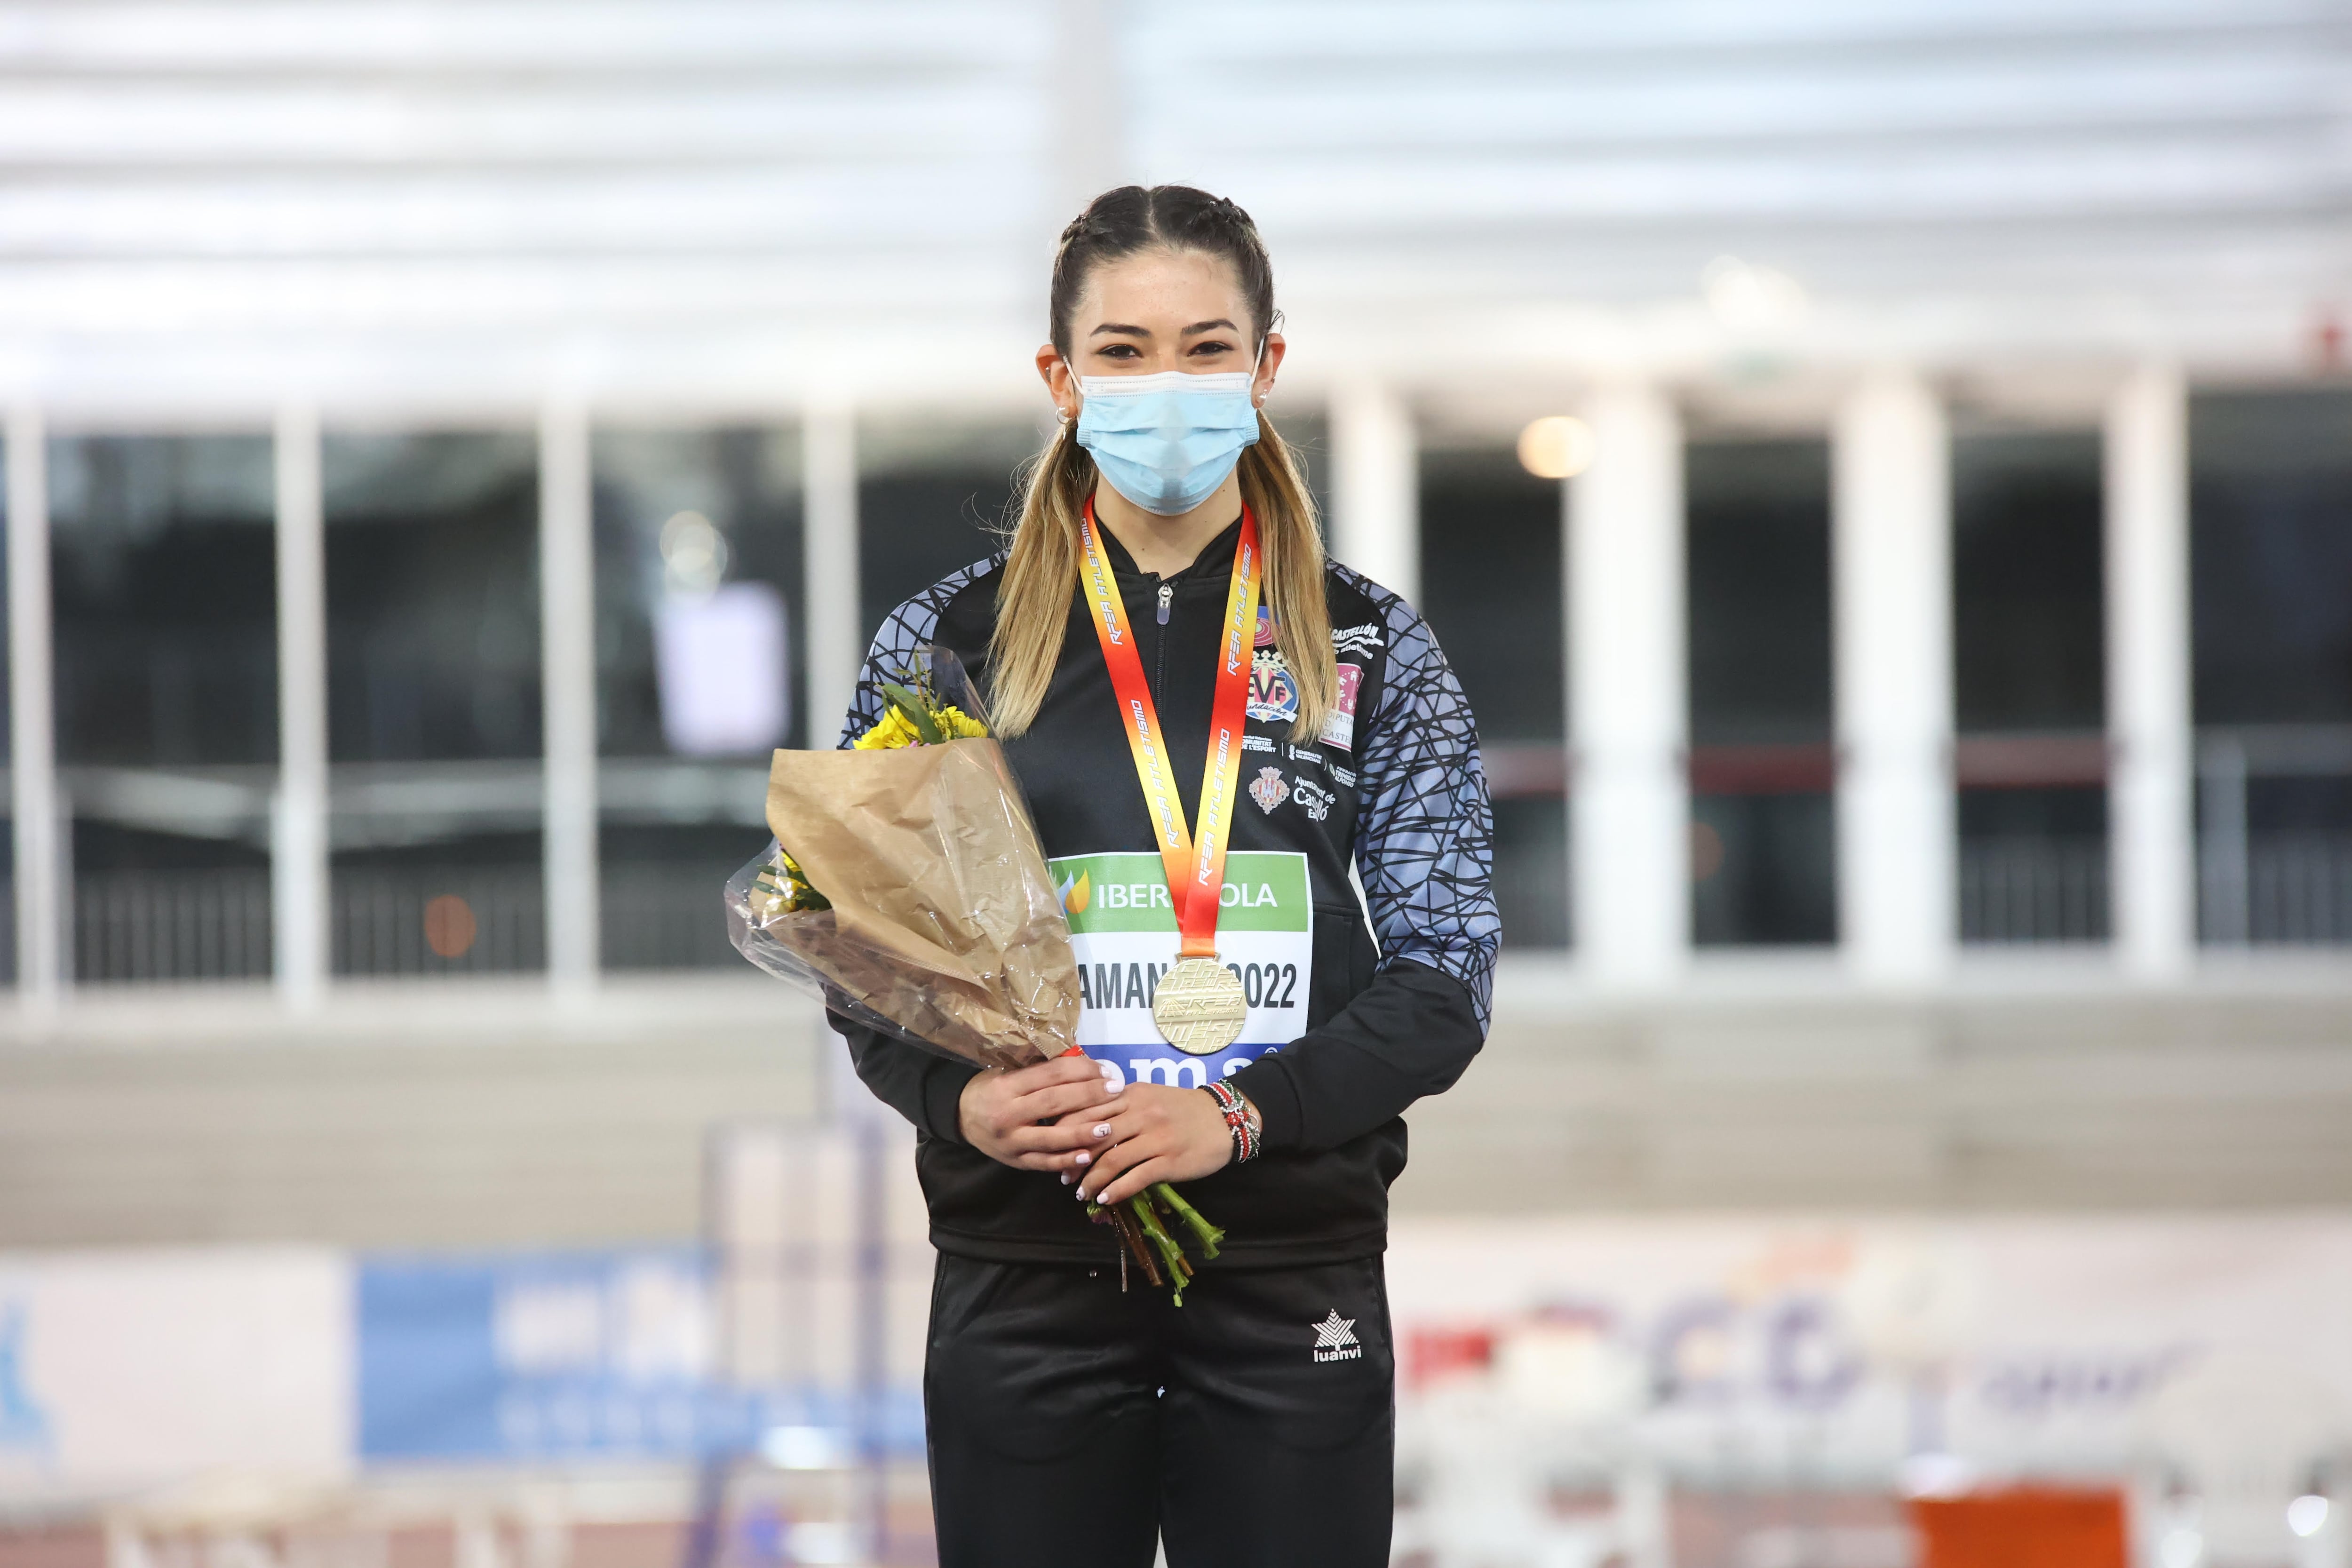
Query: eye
x=1117, y=350
x=1211, y=346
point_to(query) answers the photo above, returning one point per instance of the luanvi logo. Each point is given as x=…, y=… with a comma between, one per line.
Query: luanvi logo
x=1335, y=1339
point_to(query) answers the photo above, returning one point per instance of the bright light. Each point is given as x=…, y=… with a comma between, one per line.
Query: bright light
x=1937, y=1476
x=2180, y=1548
x=822, y=1542
x=1747, y=296
x=2307, y=1514
x=1557, y=447
x=805, y=1448
x=694, y=552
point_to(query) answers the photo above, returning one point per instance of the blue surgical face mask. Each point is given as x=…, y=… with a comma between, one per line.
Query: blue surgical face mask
x=1167, y=441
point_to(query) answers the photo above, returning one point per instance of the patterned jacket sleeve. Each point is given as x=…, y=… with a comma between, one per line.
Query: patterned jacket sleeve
x=925, y=1089
x=1425, y=852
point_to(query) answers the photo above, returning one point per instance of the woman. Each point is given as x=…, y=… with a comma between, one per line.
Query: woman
x=1075, y=1415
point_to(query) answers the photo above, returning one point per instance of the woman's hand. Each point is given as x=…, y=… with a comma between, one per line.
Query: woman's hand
x=1000, y=1111
x=1157, y=1134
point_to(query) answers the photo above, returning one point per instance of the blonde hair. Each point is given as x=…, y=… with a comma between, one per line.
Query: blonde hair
x=1041, y=569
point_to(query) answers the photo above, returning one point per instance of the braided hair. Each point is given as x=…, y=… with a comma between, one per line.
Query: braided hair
x=1133, y=218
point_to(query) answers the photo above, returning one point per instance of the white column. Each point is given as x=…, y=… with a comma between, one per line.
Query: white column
x=567, y=608
x=837, y=644
x=299, y=836
x=2152, y=855
x=1629, y=798
x=1891, y=574
x=32, y=732
x=1375, y=489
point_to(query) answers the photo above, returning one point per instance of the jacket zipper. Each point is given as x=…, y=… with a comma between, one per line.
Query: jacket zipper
x=1160, y=648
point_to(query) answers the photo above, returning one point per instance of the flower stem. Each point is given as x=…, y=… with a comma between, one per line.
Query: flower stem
x=1209, y=1234
x=1179, y=1269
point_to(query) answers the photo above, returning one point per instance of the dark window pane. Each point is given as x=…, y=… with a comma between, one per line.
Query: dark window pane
x=164, y=586
x=165, y=582
x=1758, y=592
x=1762, y=870
x=1490, y=588
x=1763, y=842
x=1531, y=872
x=433, y=679
x=2270, y=488
x=433, y=596
x=2028, y=618
x=930, y=501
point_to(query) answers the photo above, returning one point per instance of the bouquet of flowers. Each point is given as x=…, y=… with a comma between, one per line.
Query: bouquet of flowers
x=907, y=890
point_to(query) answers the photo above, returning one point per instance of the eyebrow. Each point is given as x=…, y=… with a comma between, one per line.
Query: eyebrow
x=1124, y=329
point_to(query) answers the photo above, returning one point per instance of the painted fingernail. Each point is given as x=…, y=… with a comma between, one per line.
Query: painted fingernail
x=1085, y=1158
x=1103, y=1130
x=1066, y=1178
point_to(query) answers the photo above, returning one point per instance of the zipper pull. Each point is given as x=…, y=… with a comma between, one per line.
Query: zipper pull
x=1167, y=593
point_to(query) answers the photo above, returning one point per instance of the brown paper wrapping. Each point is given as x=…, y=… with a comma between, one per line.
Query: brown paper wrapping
x=945, y=922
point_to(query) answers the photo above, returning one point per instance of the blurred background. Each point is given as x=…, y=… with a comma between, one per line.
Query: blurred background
x=1882, y=471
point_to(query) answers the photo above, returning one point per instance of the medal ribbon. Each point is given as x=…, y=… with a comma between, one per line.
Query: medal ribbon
x=1195, y=862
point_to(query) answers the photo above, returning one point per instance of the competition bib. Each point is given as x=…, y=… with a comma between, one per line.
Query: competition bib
x=1124, y=928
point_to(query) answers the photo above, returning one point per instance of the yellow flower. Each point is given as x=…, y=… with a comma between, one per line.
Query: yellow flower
x=891, y=734
x=958, y=724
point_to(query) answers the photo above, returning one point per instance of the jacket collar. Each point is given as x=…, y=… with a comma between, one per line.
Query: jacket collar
x=1218, y=551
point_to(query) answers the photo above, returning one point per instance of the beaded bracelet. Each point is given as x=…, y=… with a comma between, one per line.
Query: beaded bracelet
x=1236, y=1113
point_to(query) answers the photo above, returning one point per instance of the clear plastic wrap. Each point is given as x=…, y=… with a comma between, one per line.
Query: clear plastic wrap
x=944, y=927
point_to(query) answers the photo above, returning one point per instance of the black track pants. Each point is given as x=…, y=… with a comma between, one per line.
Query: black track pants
x=1070, y=1424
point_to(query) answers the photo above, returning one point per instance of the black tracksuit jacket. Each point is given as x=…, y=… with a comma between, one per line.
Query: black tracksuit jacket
x=1397, y=1005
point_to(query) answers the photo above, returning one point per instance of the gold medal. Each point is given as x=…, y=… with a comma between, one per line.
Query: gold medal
x=1199, y=1006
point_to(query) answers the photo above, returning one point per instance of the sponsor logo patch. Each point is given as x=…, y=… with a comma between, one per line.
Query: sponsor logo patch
x=1335, y=1339
x=1341, y=775
x=1359, y=640
x=1312, y=798
x=1256, y=743
x=1339, y=728
x=1273, y=695
x=1269, y=791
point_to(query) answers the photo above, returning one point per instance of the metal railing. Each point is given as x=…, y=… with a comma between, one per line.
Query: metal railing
x=2298, y=888
x=2266, y=888
x=419, y=920
x=165, y=924
x=2021, y=890
x=667, y=917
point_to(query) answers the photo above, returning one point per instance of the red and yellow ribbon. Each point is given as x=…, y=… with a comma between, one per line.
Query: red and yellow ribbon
x=1196, y=861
